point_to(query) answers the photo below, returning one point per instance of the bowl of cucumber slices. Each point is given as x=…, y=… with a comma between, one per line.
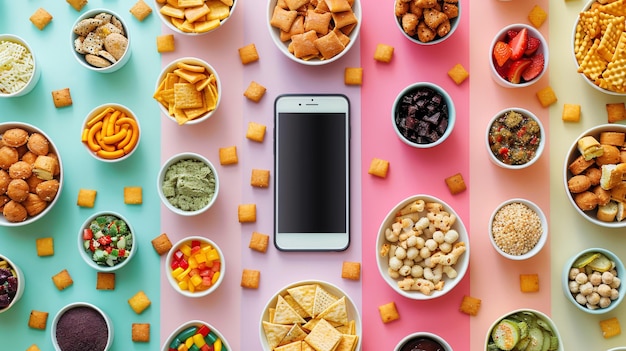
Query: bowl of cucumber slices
x=523, y=329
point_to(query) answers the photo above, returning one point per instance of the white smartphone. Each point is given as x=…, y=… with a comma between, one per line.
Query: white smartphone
x=312, y=172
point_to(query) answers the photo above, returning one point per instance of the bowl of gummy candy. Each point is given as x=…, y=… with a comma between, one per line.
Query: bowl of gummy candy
x=198, y=333
x=11, y=284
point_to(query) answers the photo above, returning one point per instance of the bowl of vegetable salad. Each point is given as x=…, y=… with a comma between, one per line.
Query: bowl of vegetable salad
x=523, y=329
x=105, y=241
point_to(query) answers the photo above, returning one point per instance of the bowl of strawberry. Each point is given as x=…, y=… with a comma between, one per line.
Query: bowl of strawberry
x=106, y=241
x=518, y=56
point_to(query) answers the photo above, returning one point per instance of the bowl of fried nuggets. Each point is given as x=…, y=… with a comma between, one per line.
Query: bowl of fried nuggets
x=188, y=90
x=310, y=315
x=599, y=45
x=195, y=17
x=314, y=32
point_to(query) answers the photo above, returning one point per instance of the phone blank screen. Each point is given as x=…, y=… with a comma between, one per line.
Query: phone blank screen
x=311, y=172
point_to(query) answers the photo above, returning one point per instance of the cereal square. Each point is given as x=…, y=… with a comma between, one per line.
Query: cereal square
x=254, y=91
x=62, y=280
x=470, y=305
x=379, y=167
x=260, y=178
x=458, y=73
x=165, y=43
x=139, y=302
x=228, y=155
x=41, y=18
x=353, y=76
x=529, y=282
x=38, y=319
x=383, y=53
x=86, y=197
x=246, y=213
x=616, y=112
x=77, y=4
x=250, y=279
x=351, y=270
x=140, y=332
x=140, y=10
x=546, y=96
x=537, y=16
x=133, y=195
x=456, y=184
x=571, y=113
x=248, y=54
x=33, y=347
x=62, y=98
x=45, y=246
x=161, y=244
x=105, y=281
x=259, y=242
x=256, y=132
x=610, y=327
x=388, y=312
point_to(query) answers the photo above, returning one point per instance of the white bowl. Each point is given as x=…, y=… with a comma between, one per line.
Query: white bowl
x=422, y=335
x=132, y=140
x=454, y=24
x=195, y=61
x=62, y=311
x=572, y=154
x=438, y=91
x=53, y=151
x=541, y=241
x=546, y=321
x=167, y=20
x=283, y=46
x=16, y=272
x=81, y=57
x=352, y=309
x=174, y=282
x=502, y=35
x=538, y=151
x=87, y=257
x=461, y=265
x=36, y=70
x=162, y=176
x=186, y=327
x=619, y=268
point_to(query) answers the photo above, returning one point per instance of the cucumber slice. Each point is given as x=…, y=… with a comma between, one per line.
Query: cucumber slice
x=506, y=334
x=546, y=341
x=585, y=259
x=601, y=263
x=536, y=339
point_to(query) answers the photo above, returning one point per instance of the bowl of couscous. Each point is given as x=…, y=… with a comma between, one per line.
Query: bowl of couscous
x=518, y=229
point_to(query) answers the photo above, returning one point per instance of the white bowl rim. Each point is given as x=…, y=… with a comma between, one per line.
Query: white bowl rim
x=451, y=113
x=72, y=305
x=21, y=281
x=34, y=78
x=461, y=266
x=454, y=25
x=539, y=314
x=100, y=108
x=190, y=323
x=424, y=334
x=169, y=25
x=168, y=261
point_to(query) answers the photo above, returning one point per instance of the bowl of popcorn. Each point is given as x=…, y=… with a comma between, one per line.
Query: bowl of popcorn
x=81, y=323
x=427, y=22
x=31, y=174
x=191, y=332
x=12, y=283
x=100, y=41
x=333, y=323
x=591, y=280
x=518, y=229
x=423, y=115
x=188, y=91
x=518, y=56
x=106, y=241
x=523, y=329
x=422, y=341
x=592, y=175
x=188, y=184
x=422, y=249
x=111, y=132
x=318, y=35
x=195, y=266
x=195, y=17
x=515, y=138
x=20, y=73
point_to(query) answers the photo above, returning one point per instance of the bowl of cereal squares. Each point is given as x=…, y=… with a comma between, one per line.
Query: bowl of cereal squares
x=12, y=283
x=591, y=280
x=195, y=17
x=31, y=174
x=423, y=115
x=19, y=72
x=188, y=90
x=518, y=229
x=100, y=41
x=422, y=248
x=111, y=132
x=314, y=32
x=191, y=332
x=188, y=184
x=523, y=329
x=427, y=22
x=291, y=319
x=593, y=174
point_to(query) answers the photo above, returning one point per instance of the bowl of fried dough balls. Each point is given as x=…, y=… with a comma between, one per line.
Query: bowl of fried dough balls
x=427, y=22
x=30, y=174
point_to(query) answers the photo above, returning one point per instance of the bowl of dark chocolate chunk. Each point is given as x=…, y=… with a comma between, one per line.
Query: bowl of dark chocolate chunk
x=423, y=115
x=81, y=326
x=423, y=341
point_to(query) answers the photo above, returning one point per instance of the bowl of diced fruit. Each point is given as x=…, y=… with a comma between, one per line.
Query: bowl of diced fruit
x=11, y=283
x=106, y=241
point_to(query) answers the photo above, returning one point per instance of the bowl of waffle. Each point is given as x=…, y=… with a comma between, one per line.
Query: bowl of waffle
x=599, y=46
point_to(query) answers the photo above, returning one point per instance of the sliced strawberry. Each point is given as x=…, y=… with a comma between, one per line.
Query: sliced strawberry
x=504, y=70
x=533, y=45
x=519, y=44
x=514, y=75
x=501, y=52
x=536, y=66
x=510, y=34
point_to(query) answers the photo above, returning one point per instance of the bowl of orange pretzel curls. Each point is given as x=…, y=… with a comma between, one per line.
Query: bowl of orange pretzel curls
x=111, y=132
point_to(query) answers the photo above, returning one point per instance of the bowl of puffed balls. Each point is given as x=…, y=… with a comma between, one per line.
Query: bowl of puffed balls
x=591, y=280
x=422, y=248
x=427, y=22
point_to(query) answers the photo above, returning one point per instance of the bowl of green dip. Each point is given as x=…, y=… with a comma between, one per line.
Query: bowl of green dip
x=188, y=184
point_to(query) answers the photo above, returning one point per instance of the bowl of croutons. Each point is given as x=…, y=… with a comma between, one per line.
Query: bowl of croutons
x=22, y=74
x=31, y=174
x=427, y=22
x=195, y=17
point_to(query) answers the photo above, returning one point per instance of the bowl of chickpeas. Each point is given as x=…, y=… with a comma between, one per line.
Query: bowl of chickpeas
x=425, y=24
x=422, y=249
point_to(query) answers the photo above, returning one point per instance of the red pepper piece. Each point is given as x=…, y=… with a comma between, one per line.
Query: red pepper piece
x=195, y=243
x=182, y=263
x=178, y=255
x=87, y=234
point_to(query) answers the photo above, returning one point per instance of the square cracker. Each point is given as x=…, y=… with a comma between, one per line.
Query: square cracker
x=351, y=270
x=304, y=295
x=45, y=246
x=62, y=280
x=133, y=195
x=41, y=18
x=378, y=167
x=383, y=53
x=140, y=332
x=254, y=91
x=140, y=10
x=38, y=319
x=246, y=213
x=610, y=327
x=388, y=312
x=259, y=242
x=139, y=302
x=353, y=76
x=470, y=305
x=105, y=281
x=455, y=183
x=250, y=278
x=228, y=155
x=165, y=43
x=62, y=97
x=458, y=73
x=248, y=54
x=323, y=337
x=256, y=132
x=86, y=197
x=529, y=282
x=260, y=178
x=162, y=244
x=186, y=96
x=77, y=4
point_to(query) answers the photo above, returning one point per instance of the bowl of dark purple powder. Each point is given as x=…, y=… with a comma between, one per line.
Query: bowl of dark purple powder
x=423, y=115
x=423, y=341
x=11, y=284
x=81, y=326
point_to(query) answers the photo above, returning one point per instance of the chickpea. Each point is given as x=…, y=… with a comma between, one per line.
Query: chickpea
x=581, y=278
x=581, y=299
x=595, y=278
x=586, y=289
x=593, y=298
x=574, y=287
x=604, y=302
x=573, y=272
x=607, y=277
x=604, y=290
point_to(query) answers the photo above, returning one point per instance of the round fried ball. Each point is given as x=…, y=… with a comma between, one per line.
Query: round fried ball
x=18, y=190
x=13, y=211
x=4, y=181
x=20, y=170
x=15, y=137
x=38, y=144
x=8, y=156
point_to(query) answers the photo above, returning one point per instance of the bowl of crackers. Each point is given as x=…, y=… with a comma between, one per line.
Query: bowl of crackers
x=593, y=174
x=196, y=329
x=195, y=17
x=22, y=73
x=31, y=174
x=417, y=259
x=100, y=41
x=596, y=51
x=427, y=22
x=332, y=323
x=111, y=132
x=188, y=90
x=523, y=329
x=314, y=35
x=12, y=283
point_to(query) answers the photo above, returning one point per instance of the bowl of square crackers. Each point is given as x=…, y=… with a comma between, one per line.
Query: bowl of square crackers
x=314, y=32
x=314, y=313
x=195, y=17
x=600, y=49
